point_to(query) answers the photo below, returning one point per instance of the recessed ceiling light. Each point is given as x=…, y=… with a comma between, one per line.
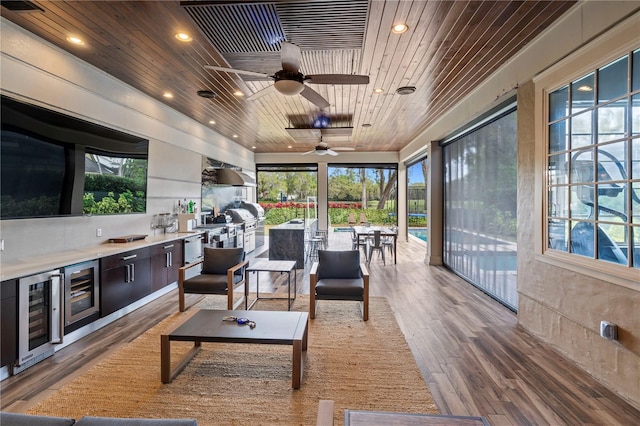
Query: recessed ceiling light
x=75, y=40
x=212, y=122
x=406, y=90
x=238, y=93
x=585, y=88
x=168, y=95
x=289, y=147
x=253, y=147
x=235, y=136
x=399, y=28
x=183, y=37
x=378, y=90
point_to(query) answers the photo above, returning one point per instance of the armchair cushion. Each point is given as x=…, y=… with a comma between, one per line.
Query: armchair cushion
x=338, y=264
x=218, y=260
x=340, y=289
x=209, y=284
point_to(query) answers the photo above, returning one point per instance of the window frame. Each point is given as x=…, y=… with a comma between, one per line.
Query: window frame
x=595, y=55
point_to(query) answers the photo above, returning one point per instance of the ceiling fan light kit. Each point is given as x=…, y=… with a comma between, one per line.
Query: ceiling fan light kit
x=289, y=87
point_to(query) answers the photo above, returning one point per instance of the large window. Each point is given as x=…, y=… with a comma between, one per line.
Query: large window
x=417, y=173
x=366, y=192
x=593, y=163
x=480, y=206
x=283, y=190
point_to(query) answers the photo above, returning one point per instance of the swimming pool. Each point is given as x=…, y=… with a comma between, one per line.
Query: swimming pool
x=420, y=233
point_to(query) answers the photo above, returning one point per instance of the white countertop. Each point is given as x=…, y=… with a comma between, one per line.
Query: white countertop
x=35, y=265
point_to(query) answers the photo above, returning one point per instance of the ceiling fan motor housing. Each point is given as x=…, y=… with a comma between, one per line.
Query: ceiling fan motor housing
x=289, y=83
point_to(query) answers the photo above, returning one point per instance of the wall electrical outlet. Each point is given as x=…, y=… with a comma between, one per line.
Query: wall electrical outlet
x=608, y=330
x=99, y=232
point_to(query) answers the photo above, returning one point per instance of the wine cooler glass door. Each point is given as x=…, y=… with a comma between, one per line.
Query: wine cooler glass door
x=40, y=315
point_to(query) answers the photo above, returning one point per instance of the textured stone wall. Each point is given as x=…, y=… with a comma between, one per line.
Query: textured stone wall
x=563, y=307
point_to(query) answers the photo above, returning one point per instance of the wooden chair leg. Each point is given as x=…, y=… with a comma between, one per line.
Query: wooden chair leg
x=312, y=305
x=365, y=310
x=181, y=306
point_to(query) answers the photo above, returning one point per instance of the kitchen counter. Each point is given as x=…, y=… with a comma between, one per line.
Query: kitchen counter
x=34, y=265
x=286, y=242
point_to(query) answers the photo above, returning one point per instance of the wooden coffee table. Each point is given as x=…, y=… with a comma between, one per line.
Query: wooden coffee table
x=272, y=328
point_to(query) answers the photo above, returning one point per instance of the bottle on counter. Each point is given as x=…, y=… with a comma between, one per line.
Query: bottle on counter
x=190, y=206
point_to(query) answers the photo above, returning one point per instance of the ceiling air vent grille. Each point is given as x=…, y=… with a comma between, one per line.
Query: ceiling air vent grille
x=248, y=35
x=21, y=6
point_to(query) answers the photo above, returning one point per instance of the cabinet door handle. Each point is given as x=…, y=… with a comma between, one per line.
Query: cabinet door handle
x=168, y=247
x=167, y=259
x=170, y=258
x=133, y=256
x=127, y=275
x=133, y=272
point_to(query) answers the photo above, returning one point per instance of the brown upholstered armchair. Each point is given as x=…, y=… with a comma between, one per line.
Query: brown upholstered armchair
x=339, y=275
x=222, y=271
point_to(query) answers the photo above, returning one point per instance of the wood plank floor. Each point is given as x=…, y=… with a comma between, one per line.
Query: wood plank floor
x=473, y=356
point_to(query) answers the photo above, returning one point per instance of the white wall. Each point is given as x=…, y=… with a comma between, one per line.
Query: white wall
x=35, y=71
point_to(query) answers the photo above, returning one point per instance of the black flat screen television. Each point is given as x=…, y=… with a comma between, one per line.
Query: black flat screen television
x=53, y=164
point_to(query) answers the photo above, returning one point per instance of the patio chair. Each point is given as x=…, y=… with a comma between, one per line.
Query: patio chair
x=388, y=242
x=222, y=272
x=363, y=218
x=339, y=275
x=312, y=243
x=374, y=243
x=352, y=219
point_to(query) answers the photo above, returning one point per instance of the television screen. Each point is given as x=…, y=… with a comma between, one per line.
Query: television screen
x=53, y=164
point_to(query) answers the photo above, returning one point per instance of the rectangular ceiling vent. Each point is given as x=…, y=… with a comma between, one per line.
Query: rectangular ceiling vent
x=238, y=27
x=21, y=6
x=321, y=25
x=248, y=34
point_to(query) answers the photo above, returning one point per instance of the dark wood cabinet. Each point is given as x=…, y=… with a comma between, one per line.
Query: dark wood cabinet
x=8, y=322
x=124, y=279
x=166, y=259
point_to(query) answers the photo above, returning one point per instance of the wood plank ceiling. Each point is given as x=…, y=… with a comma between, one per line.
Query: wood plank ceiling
x=450, y=47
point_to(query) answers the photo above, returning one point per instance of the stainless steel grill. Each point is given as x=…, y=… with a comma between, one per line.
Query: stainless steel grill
x=242, y=216
x=249, y=223
x=254, y=208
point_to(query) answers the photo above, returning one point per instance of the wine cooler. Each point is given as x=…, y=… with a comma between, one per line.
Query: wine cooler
x=40, y=317
x=81, y=294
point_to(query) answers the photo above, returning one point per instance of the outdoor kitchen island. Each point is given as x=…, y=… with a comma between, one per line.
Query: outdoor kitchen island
x=286, y=241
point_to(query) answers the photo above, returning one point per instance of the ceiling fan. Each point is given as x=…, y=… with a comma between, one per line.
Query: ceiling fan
x=323, y=149
x=290, y=81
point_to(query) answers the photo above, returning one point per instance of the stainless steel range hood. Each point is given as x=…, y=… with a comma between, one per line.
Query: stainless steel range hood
x=234, y=178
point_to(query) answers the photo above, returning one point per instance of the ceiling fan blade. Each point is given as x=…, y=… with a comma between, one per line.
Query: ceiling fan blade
x=290, y=55
x=308, y=152
x=331, y=152
x=235, y=71
x=314, y=97
x=337, y=79
x=261, y=93
x=344, y=148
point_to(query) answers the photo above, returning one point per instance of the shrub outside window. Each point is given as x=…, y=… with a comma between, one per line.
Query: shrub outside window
x=593, y=164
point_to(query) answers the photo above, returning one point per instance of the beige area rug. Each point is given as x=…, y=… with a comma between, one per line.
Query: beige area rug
x=360, y=365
